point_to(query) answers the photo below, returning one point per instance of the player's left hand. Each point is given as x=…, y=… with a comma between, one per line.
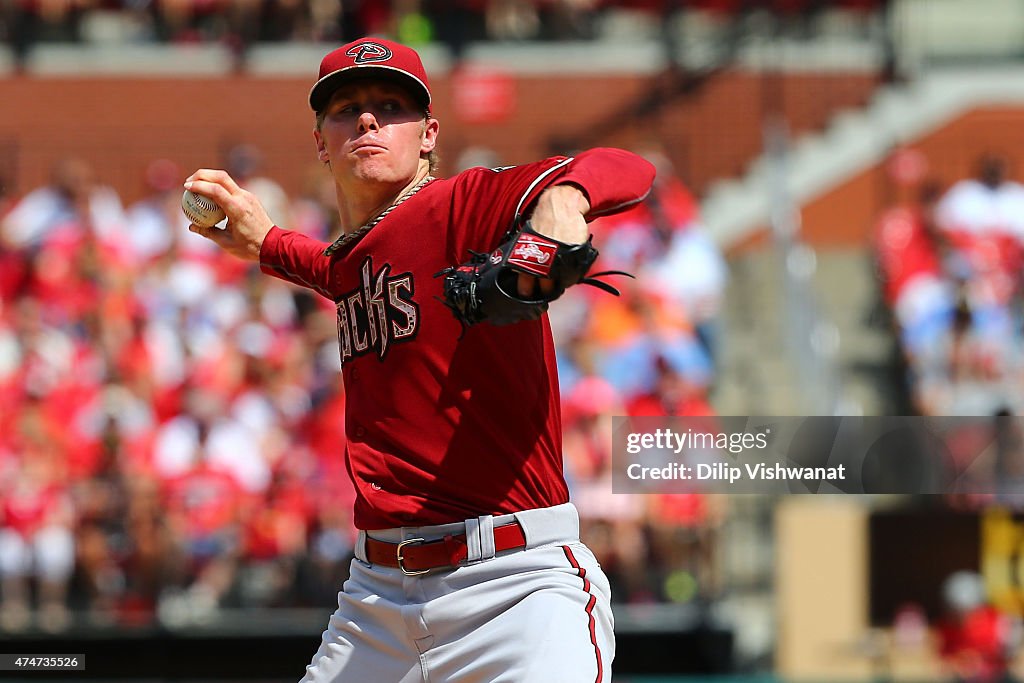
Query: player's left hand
x=559, y=215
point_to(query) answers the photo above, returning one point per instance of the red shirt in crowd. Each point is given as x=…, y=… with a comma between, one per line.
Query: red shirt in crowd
x=207, y=500
x=975, y=644
x=905, y=250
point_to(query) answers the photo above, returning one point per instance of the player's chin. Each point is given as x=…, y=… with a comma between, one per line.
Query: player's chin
x=376, y=170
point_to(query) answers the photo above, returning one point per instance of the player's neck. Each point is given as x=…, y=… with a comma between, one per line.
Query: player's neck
x=357, y=209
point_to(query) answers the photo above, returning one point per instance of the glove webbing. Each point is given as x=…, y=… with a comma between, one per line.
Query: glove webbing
x=462, y=300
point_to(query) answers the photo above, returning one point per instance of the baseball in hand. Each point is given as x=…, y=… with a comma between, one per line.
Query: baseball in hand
x=202, y=211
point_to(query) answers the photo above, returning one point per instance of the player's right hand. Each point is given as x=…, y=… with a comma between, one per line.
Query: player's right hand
x=248, y=222
x=559, y=214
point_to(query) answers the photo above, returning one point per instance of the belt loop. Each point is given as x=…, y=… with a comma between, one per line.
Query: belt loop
x=486, y=536
x=360, y=549
x=473, y=541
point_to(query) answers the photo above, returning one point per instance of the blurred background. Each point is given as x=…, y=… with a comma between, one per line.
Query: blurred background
x=837, y=229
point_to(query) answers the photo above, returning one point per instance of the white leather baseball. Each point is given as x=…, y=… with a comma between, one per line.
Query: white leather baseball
x=202, y=211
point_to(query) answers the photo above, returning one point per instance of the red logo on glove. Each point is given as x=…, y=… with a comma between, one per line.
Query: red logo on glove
x=533, y=254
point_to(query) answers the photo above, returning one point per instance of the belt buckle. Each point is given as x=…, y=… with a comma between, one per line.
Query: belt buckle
x=401, y=560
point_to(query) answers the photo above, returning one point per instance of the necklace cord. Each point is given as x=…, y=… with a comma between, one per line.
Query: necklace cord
x=345, y=240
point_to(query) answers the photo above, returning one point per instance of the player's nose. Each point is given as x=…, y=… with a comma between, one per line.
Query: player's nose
x=368, y=122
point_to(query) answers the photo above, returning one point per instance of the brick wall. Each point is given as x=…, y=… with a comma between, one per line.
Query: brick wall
x=120, y=124
x=845, y=216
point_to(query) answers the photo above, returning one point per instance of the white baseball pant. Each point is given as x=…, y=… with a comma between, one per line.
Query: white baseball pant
x=535, y=615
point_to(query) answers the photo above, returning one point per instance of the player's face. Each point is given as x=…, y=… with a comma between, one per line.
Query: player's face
x=374, y=131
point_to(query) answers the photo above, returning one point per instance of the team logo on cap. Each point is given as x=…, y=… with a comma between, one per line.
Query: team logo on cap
x=369, y=52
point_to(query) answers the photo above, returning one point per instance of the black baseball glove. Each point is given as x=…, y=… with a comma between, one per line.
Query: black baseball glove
x=484, y=288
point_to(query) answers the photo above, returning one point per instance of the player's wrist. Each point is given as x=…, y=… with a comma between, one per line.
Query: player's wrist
x=560, y=214
x=570, y=196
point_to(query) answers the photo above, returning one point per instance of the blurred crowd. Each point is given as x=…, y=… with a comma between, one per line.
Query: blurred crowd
x=454, y=23
x=171, y=420
x=977, y=642
x=949, y=260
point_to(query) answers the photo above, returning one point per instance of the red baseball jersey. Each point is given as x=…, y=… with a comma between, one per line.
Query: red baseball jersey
x=443, y=426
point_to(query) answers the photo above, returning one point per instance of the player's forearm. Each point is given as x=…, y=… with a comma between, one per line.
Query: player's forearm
x=613, y=179
x=296, y=258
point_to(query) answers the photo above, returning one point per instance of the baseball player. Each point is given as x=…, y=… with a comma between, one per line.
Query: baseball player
x=468, y=564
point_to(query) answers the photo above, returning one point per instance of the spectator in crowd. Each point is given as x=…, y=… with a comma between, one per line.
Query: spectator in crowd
x=458, y=22
x=326, y=565
x=567, y=19
x=44, y=20
x=206, y=507
x=660, y=239
x=36, y=540
x=512, y=20
x=916, y=288
x=950, y=268
x=976, y=641
x=689, y=250
x=149, y=561
x=674, y=392
x=72, y=205
x=685, y=530
x=983, y=220
x=239, y=24
x=155, y=217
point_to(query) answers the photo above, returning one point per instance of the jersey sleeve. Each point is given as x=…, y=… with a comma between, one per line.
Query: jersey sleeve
x=490, y=202
x=613, y=179
x=296, y=258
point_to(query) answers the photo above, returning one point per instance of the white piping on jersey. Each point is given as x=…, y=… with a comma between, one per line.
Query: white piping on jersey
x=621, y=206
x=534, y=184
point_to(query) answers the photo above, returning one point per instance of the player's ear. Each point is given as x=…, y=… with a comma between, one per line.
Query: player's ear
x=321, y=146
x=430, y=129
